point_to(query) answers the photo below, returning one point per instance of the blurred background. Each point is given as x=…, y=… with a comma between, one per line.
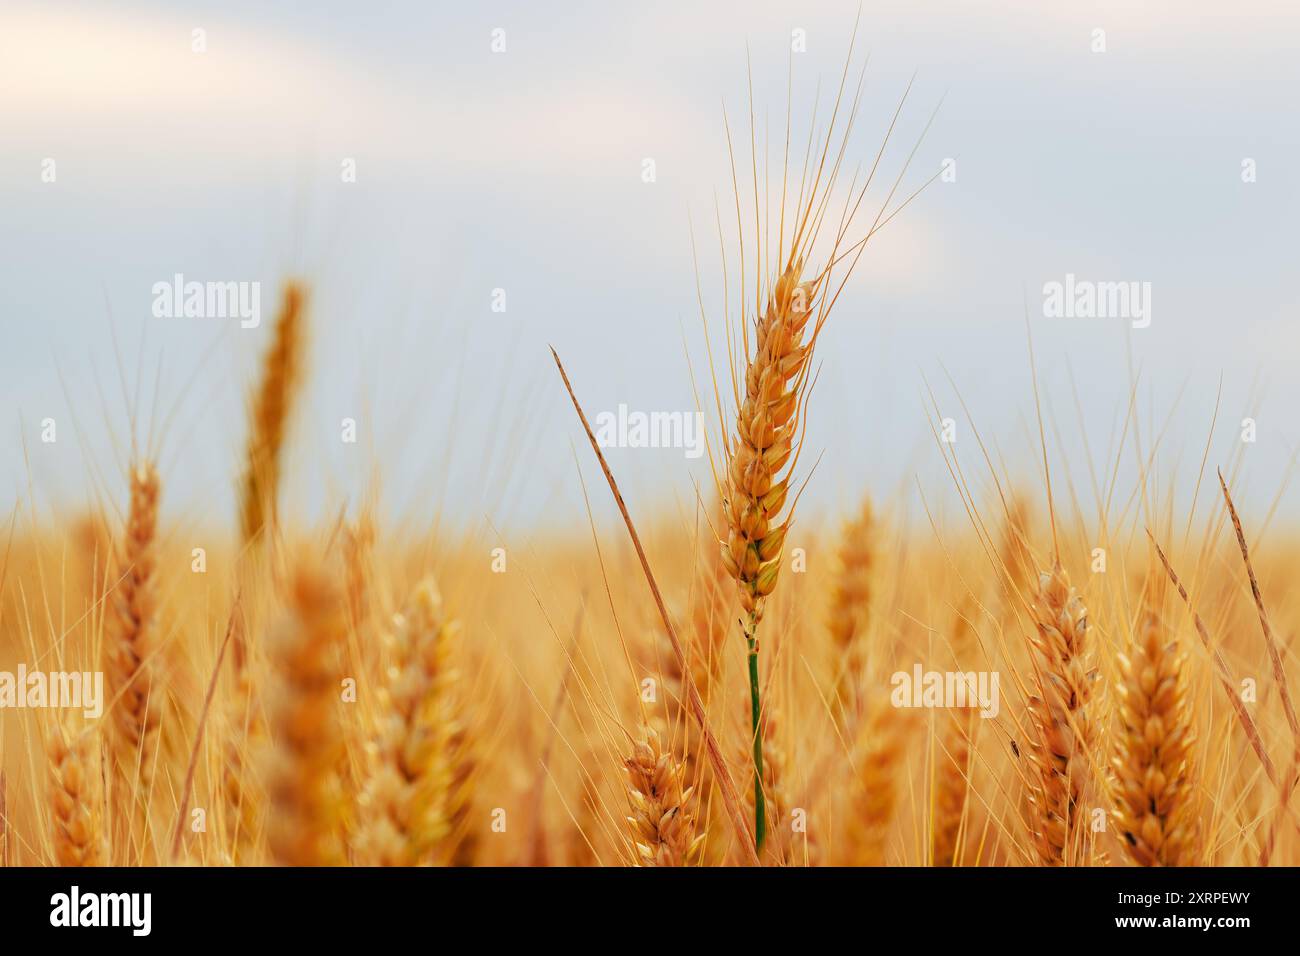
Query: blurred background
x=522, y=170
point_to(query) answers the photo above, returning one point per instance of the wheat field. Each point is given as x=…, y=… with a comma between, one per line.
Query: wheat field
x=361, y=694
x=724, y=684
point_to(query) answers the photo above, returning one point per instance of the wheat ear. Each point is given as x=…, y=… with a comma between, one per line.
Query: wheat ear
x=131, y=644
x=306, y=804
x=881, y=747
x=1154, y=779
x=662, y=820
x=76, y=797
x=269, y=414
x=404, y=802
x=460, y=848
x=709, y=608
x=358, y=556
x=851, y=604
x=767, y=426
x=1063, y=743
x=1017, y=562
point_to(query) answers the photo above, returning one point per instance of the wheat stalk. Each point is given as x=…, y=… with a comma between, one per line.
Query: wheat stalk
x=955, y=764
x=776, y=794
x=306, y=804
x=269, y=414
x=405, y=800
x=1154, y=779
x=1064, y=734
x=662, y=818
x=245, y=798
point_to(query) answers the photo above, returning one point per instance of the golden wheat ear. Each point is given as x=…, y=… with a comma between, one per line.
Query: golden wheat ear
x=76, y=797
x=766, y=433
x=662, y=819
x=1154, y=780
x=881, y=745
x=131, y=643
x=269, y=415
x=1063, y=733
x=851, y=605
x=305, y=815
x=404, y=806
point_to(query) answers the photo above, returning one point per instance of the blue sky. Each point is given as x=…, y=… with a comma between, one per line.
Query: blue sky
x=522, y=171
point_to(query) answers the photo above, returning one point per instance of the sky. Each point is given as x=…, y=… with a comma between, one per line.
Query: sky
x=1160, y=160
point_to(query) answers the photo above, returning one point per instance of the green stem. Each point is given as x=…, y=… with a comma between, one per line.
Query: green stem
x=760, y=809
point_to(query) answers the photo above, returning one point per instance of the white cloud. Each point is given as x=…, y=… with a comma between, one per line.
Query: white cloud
x=256, y=96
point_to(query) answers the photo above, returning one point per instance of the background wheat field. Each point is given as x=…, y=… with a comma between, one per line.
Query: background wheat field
x=373, y=580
